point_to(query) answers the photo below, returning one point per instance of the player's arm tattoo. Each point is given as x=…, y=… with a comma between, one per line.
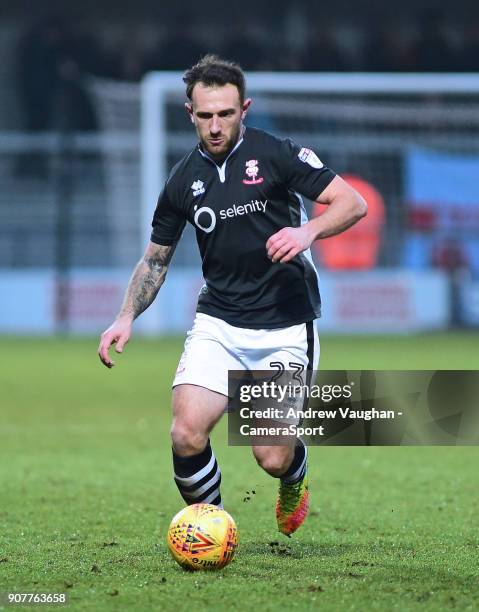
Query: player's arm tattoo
x=146, y=280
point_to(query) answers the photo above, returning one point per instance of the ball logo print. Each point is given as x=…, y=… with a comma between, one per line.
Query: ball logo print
x=205, y=210
x=202, y=537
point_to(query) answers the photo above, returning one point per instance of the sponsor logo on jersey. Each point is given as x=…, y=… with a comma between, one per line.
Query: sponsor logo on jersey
x=205, y=217
x=244, y=209
x=252, y=172
x=309, y=157
x=198, y=188
x=204, y=212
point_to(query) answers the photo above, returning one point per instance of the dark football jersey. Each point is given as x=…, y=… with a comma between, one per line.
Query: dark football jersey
x=235, y=208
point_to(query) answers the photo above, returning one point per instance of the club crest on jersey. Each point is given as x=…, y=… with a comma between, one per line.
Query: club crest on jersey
x=198, y=188
x=309, y=157
x=252, y=171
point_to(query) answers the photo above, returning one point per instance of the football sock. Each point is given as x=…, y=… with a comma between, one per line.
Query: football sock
x=297, y=469
x=198, y=477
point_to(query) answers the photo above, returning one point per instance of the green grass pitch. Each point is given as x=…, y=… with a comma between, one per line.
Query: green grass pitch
x=86, y=493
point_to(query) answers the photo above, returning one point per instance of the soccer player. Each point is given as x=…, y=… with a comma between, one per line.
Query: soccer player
x=240, y=188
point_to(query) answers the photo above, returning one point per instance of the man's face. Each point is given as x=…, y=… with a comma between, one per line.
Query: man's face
x=217, y=114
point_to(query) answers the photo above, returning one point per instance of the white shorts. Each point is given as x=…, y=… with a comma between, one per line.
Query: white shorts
x=213, y=347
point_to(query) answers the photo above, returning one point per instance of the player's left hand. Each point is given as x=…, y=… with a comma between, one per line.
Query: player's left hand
x=288, y=242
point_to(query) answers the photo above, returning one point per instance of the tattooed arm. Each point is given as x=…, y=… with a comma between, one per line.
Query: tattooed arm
x=145, y=282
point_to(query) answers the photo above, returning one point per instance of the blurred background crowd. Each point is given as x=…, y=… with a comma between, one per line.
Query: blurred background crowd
x=50, y=51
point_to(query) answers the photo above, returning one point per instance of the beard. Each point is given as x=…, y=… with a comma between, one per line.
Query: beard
x=222, y=150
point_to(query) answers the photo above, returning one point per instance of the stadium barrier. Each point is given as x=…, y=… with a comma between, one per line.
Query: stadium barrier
x=379, y=301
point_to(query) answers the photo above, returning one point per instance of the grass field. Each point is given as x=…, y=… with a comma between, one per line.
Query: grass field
x=86, y=493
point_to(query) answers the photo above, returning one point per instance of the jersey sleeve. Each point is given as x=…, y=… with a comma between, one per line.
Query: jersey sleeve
x=302, y=170
x=168, y=221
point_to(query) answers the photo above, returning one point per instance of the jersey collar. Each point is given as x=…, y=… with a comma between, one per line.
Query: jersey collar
x=222, y=169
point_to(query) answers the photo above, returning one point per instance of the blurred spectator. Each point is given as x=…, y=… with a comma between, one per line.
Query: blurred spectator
x=469, y=58
x=246, y=45
x=322, y=52
x=387, y=50
x=294, y=37
x=125, y=56
x=52, y=61
x=434, y=52
x=449, y=255
x=180, y=48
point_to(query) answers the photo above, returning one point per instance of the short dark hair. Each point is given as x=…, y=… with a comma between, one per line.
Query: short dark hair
x=212, y=70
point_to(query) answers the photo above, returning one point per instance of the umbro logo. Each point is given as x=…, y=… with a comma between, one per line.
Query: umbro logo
x=198, y=188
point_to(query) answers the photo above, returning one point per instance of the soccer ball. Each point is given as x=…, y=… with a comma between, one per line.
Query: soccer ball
x=202, y=537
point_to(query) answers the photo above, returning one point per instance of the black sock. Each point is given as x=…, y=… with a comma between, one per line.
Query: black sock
x=297, y=469
x=198, y=477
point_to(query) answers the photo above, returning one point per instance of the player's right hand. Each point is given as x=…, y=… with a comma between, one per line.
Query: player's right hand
x=118, y=333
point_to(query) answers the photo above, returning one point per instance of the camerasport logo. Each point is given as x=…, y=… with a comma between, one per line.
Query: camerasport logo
x=252, y=172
